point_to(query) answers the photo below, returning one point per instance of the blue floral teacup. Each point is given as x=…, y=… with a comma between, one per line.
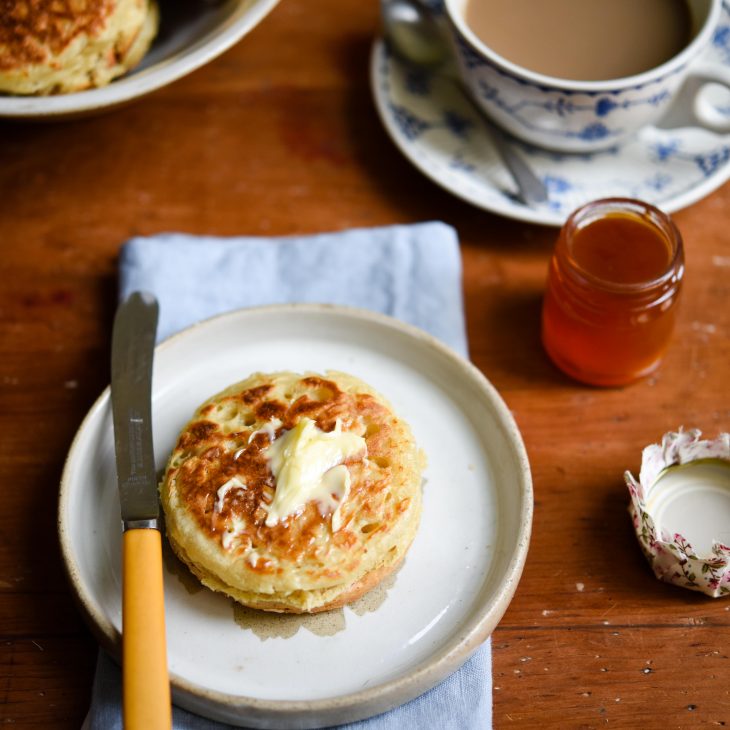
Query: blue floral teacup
x=583, y=116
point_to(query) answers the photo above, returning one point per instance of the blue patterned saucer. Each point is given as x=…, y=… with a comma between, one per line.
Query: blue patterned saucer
x=433, y=125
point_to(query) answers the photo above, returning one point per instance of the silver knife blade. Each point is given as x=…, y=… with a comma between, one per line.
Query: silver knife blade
x=133, y=344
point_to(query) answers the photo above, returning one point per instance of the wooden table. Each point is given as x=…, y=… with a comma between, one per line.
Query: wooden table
x=280, y=136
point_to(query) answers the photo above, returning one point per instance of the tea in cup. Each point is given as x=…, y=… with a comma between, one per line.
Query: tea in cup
x=583, y=75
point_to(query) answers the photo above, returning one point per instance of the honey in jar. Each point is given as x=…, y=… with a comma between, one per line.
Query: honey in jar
x=612, y=291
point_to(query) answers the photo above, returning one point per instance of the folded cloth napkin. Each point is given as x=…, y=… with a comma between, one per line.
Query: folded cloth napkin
x=411, y=272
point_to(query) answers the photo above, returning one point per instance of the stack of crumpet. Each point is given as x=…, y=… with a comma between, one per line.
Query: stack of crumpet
x=62, y=46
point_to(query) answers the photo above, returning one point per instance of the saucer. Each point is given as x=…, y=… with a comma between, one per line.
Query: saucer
x=436, y=128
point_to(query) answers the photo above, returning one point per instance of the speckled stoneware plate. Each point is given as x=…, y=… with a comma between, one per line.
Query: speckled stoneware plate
x=429, y=120
x=192, y=33
x=249, y=668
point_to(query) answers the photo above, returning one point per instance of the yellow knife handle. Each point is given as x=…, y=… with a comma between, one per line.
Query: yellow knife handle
x=144, y=654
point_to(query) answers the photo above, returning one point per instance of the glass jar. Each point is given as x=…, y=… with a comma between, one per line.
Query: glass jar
x=612, y=291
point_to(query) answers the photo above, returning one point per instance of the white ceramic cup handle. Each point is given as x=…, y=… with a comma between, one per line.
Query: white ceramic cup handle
x=699, y=76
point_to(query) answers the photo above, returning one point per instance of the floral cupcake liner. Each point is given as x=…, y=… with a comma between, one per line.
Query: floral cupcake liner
x=671, y=556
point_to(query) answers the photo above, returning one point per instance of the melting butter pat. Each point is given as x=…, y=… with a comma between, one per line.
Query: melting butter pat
x=269, y=429
x=232, y=483
x=307, y=464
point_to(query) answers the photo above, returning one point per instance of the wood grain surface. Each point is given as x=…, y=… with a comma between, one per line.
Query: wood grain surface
x=280, y=136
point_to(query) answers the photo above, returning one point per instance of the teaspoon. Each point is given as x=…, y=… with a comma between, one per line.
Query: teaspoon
x=416, y=38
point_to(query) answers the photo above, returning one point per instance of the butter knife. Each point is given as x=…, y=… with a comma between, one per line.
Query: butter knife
x=146, y=693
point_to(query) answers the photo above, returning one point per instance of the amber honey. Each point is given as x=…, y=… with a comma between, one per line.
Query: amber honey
x=612, y=291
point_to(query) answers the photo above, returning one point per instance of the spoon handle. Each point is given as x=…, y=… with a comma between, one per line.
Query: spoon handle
x=530, y=188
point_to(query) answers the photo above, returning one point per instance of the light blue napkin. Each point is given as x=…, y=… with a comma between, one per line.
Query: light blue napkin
x=411, y=272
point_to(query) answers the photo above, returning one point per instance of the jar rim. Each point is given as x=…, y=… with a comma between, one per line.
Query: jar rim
x=596, y=209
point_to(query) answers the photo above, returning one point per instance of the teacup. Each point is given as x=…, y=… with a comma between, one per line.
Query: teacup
x=584, y=116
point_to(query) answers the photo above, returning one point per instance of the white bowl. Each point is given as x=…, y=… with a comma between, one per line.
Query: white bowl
x=191, y=34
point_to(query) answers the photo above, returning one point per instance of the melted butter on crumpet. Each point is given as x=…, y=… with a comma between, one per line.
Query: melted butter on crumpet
x=307, y=464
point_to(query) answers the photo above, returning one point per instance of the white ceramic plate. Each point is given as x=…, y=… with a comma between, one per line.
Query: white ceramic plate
x=252, y=668
x=192, y=33
x=440, y=133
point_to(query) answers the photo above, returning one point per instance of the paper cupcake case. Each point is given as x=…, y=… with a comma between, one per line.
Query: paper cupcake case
x=669, y=551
